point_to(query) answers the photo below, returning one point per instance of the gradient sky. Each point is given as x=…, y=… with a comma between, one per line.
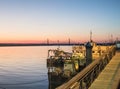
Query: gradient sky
x=37, y=20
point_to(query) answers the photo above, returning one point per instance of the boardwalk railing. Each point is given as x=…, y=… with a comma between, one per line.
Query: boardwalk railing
x=85, y=78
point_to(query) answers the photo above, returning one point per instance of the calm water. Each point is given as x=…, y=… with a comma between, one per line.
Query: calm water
x=25, y=67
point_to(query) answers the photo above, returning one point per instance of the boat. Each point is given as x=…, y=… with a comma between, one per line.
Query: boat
x=65, y=64
x=56, y=57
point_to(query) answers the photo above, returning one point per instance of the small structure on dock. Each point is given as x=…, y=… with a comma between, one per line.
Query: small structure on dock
x=118, y=44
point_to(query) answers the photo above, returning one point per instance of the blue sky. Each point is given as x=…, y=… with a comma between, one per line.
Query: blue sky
x=37, y=20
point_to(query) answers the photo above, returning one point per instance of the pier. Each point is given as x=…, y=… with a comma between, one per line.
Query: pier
x=102, y=73
x=109, y=78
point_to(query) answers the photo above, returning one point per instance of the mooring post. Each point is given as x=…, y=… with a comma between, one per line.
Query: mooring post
x=89, y=47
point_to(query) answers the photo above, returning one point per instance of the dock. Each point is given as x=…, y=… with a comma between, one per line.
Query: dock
x=109, y=78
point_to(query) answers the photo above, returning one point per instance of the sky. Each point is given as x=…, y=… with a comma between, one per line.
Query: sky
x=29, y=21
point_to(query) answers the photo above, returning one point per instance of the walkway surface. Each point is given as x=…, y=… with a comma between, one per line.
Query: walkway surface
x=110, y=76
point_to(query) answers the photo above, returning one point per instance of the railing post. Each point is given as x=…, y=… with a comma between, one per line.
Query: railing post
x=81, y=85
x=92, y=76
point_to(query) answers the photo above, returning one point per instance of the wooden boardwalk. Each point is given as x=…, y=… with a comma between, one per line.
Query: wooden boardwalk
x=109, y=78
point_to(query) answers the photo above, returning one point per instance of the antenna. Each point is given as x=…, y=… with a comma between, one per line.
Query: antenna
x=90, y=36
x=58, y=44
x=69, y=41
x=47, y=41
x=111, y=38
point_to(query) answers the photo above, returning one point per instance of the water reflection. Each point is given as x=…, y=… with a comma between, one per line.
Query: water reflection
x=25, y=67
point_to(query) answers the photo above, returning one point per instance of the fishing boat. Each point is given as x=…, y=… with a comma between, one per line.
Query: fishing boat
x=56, y=57
x=65, y=64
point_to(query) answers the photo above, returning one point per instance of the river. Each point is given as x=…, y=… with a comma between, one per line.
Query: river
x=24, y=67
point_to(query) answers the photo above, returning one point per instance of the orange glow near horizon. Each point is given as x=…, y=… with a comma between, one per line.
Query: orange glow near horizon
x=20, y=41
x=50, y=41
x=54, y=39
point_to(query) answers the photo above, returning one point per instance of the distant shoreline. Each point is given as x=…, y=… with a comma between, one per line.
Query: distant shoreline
x=43, y=44
x=12, y=44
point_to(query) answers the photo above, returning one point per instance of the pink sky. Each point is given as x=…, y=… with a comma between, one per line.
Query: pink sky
x=35, y=21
